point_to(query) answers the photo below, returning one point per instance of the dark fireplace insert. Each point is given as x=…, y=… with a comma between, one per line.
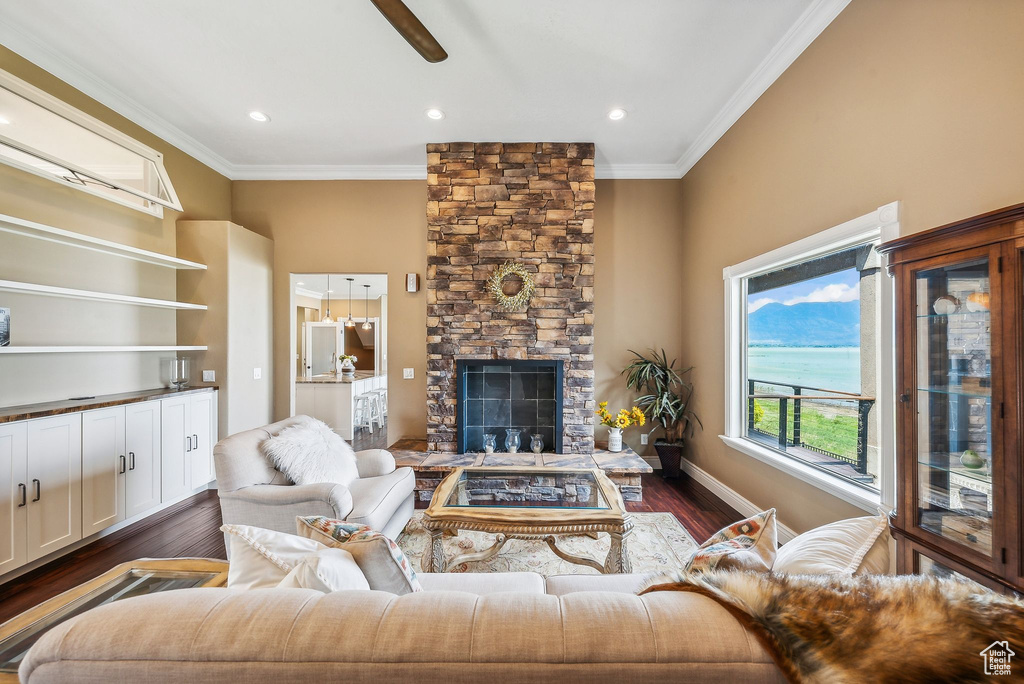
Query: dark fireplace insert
x=497, y=395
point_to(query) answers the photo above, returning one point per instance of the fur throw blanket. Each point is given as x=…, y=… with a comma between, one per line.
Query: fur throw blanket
x=871, y=628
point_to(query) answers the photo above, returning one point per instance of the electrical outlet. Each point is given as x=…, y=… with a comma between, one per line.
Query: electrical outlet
x=209, y=376
x=257, y=373
x=408, y=374
x=643, y=438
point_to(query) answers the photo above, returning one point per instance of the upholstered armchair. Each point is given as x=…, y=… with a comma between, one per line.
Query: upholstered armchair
x=253, y=492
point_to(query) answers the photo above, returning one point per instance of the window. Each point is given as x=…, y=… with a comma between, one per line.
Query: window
x=809, y=371
x=46, y=137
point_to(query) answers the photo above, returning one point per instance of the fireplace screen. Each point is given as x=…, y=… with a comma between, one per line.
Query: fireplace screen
x=497, y=396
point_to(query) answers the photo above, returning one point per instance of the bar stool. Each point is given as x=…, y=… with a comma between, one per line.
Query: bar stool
x=367, y=411
x=382, y=396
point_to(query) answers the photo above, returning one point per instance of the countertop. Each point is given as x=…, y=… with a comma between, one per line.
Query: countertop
x=328, y=379
x=10, y=414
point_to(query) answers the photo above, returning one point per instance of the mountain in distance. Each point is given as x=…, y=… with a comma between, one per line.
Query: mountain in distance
x=808, y=324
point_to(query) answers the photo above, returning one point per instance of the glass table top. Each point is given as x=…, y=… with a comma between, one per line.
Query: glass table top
x=496, y=488
x=134, y=582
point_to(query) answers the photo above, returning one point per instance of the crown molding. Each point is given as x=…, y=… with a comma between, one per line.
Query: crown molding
x=330, y=171
x=639, y=171
x=807, y=28
x=35, y=51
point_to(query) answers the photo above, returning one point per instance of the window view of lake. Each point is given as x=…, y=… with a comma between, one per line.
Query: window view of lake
x=834, y=368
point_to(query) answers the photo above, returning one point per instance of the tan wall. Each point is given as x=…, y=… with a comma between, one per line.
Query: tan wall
x=41, y=320
x=349, y=227
x=638, y=242
x=380, y=227
x=237, y=327
x=916, y=100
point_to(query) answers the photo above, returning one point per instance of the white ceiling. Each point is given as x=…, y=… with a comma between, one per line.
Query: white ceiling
x=346, y=94
x=315, y=284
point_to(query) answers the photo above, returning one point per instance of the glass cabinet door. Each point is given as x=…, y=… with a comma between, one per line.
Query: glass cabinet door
x=953, y=377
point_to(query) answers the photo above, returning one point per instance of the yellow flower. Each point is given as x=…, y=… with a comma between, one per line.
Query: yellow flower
x=603, y=404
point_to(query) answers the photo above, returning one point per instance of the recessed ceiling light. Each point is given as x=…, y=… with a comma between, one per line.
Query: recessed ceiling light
x=435, y=114
x=259, y=116
x=617, y=114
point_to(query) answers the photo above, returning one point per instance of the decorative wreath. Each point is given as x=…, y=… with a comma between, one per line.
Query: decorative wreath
x=497, y=279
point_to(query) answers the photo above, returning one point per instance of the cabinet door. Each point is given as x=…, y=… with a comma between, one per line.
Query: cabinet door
x=953, y=401
x=103, y=468
x=13, y=495
x=175, y=464
x=55, y=483
x=142, y=440
x=201, y=421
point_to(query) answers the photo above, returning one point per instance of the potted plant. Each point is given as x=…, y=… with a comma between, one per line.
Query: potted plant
x=346, y=365
x=619, y=422
x=665, y=399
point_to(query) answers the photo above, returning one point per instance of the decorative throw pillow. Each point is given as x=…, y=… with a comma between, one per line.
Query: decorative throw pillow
x=383, y=564
x=747, y=545
x=310, y=453
x=849, y=547
x=261, y=558
x=326, y=570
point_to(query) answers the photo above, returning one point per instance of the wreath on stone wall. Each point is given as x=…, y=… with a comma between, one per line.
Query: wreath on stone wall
x=495, y=284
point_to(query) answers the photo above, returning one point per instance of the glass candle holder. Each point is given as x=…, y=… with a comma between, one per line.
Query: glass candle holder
x=490, y=443
x=179, y=373
x=537, y=443
x=512, y=440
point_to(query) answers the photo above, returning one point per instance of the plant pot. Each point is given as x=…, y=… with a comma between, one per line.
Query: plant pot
x=670, y=454
x=614, y=439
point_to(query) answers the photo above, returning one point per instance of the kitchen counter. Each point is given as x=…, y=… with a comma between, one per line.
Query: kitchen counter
x=328, y=379
x=10, y=414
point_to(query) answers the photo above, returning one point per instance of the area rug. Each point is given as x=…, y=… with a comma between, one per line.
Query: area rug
x=658, y=544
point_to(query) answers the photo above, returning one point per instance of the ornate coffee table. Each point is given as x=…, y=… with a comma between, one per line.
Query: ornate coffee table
x=530, y=503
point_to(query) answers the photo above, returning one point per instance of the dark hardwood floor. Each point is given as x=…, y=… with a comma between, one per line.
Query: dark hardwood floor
x=362, y=439
x=191, y=528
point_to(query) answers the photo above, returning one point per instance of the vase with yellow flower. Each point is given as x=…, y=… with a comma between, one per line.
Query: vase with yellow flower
x=618, y=422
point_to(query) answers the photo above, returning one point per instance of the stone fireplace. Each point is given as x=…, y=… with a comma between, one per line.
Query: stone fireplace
x=531, y=204
x=510, y=394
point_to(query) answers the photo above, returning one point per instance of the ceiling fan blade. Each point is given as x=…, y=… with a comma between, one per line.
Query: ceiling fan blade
x=406, y=23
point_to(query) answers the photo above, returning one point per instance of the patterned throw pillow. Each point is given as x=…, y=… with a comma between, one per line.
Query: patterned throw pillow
x=385, y=566
x=750, y=544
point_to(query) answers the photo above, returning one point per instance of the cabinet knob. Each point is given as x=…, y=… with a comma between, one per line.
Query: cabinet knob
x=904, y=398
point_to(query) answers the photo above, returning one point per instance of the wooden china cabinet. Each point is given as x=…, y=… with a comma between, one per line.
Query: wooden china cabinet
x=959, y=467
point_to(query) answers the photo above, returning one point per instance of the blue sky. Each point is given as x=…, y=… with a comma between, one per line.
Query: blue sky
x=843, y=286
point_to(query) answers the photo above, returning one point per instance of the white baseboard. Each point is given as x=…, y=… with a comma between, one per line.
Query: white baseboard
x=731, y=497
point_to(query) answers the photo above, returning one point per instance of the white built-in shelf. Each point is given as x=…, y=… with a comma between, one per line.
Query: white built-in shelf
x=11, y=224
x=96, y=349
x=50, y=291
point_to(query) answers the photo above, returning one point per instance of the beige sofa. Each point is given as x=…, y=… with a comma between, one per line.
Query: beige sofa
x=463, y=628
x=253, y=492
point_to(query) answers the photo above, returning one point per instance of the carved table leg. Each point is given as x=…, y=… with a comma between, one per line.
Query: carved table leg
x=618, y=554
x=433, y=559
x=486, y=554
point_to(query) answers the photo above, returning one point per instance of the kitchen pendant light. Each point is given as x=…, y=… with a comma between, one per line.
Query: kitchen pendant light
x=350, y=322
x=327, y=318
x=366, y=324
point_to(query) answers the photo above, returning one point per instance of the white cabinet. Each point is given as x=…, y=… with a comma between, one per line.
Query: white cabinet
x=142, y=441
x=176, y=478
x=188, y=433
x=104, y=464
x=202, y=433
x=13, y=495
x=55, y=483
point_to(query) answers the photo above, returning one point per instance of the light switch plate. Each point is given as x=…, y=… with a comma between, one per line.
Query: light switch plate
x=408, y=374
x=257, y=373
x=643, y=438
x=412, y=282
x=209, y=376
